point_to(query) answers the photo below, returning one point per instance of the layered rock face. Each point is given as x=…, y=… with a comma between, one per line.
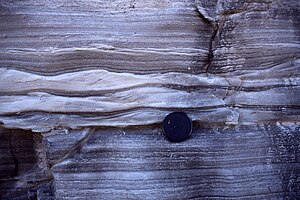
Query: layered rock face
x=84, y=86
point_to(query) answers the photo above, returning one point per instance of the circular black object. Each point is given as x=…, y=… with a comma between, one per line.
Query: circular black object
x=177, y=126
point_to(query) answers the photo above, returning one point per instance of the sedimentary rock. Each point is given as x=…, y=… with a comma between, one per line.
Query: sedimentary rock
x=73, y=74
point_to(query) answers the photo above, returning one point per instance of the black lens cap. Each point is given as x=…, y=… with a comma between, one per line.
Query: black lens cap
x=177, y=126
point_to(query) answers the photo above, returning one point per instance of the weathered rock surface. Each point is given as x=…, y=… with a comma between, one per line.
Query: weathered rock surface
x=118, y=63
x=24, y=172
x=73, y=73
x=245, y=162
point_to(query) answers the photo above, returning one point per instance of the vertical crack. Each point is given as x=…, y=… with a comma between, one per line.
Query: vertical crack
x=77, y=146
x=214, y=24
x=211, y=48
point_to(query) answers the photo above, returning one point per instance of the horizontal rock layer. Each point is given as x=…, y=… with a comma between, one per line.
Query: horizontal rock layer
x=244, y=162
x=91, y=98
x=121, y=63
x=249, y=162
x=123, y=36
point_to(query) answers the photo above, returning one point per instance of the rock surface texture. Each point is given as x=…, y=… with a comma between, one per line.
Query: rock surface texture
x=85, y=84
